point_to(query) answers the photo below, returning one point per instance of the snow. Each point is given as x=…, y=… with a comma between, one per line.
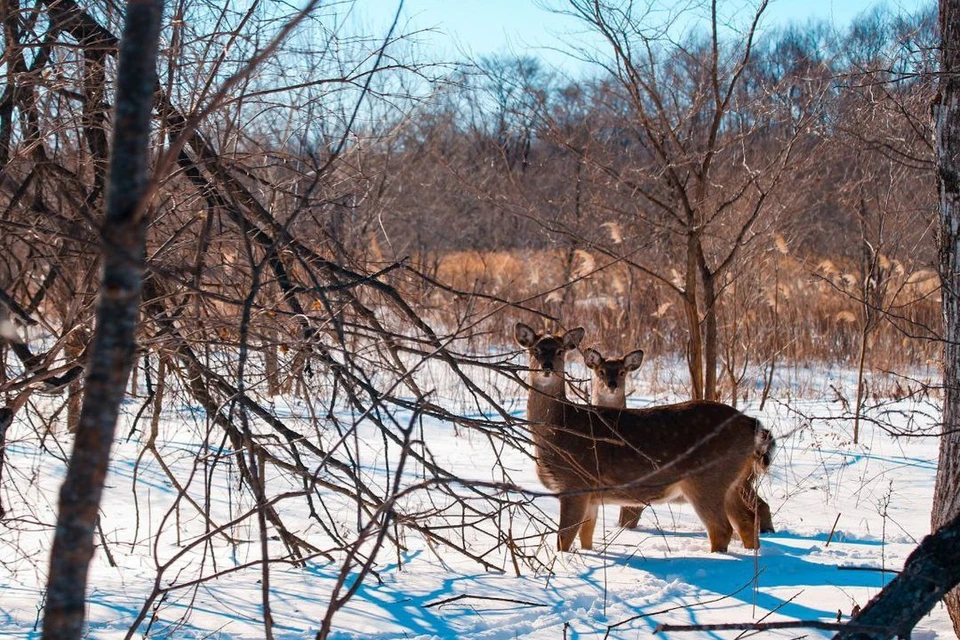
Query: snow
x=877, y=494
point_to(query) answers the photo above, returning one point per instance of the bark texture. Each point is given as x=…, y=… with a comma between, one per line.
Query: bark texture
x=946, y=498
x=123, y=235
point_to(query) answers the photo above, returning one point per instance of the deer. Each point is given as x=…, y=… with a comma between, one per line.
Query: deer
x=698, y=450
x=608, y=389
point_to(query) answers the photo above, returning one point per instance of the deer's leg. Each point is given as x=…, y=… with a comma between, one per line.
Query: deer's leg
x=741, y=506
x=766, y=518
x=630, y=517
x=589, y=523
x=573, y=511
x=708, y=499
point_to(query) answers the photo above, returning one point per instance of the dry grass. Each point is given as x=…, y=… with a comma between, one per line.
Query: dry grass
x=801, y=311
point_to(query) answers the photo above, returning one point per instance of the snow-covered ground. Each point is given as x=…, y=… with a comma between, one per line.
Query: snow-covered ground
x=843, y=512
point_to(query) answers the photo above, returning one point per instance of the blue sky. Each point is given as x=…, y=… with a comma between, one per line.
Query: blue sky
x=485, y=27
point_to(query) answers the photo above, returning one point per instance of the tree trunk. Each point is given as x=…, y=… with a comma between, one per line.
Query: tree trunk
x=711, y=339
x=72, y=350
x=271, y=364
x=861, y=371
x=6, y=419
x=690, y=307
x=946, y=498
x=694, y=348
x=123, y=233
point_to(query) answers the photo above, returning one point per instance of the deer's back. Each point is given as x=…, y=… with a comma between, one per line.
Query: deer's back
x=593, y=447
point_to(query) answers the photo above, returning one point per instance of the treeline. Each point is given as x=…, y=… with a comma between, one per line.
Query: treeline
x=731, y=196
x=737, y=197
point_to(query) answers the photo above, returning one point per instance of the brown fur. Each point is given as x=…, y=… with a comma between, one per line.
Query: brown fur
x=701, y=451
x=608, y=389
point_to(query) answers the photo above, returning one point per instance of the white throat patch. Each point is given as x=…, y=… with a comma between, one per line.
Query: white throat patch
x=603, y=397
x=548, y=383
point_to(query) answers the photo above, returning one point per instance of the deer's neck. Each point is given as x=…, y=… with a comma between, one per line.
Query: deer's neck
x=545, y=399
x=600, y=396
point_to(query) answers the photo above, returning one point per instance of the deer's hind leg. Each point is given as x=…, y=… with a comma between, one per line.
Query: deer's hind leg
x=573, y=514
x=708, y=501
x=763, y=513
x=749, y=489
x=630, y=516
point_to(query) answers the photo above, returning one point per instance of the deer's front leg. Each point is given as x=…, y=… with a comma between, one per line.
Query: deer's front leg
x=573, y=513
x=589, y=523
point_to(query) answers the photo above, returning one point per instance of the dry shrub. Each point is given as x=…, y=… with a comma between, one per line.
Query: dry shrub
x=775, y=308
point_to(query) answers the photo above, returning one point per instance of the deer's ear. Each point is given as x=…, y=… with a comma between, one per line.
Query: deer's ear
x=633, y=360
x=572, y=338
x=592, y=359
x=525, y=335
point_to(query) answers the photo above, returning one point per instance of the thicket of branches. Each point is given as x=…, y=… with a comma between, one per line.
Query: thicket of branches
x=257, y=283
x=334, y=224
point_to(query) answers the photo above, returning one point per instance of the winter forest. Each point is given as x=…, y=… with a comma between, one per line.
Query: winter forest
x=309, y=330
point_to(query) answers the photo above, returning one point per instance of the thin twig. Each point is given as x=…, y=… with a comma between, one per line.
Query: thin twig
x=856, y=568
x=464, y=596
x=832, y=530
x=767, y=626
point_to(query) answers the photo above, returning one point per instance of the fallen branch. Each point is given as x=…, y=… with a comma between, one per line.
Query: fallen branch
x=611, y=627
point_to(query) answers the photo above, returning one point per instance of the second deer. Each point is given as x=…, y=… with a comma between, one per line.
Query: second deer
x=608, y=389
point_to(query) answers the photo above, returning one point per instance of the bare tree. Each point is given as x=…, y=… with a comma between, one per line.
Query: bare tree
x=124, y=242
x=259, y=239
x=701, y=177
x=316, y=231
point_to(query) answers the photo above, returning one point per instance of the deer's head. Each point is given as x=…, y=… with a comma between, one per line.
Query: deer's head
x=547, y=353
x=610, y=376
